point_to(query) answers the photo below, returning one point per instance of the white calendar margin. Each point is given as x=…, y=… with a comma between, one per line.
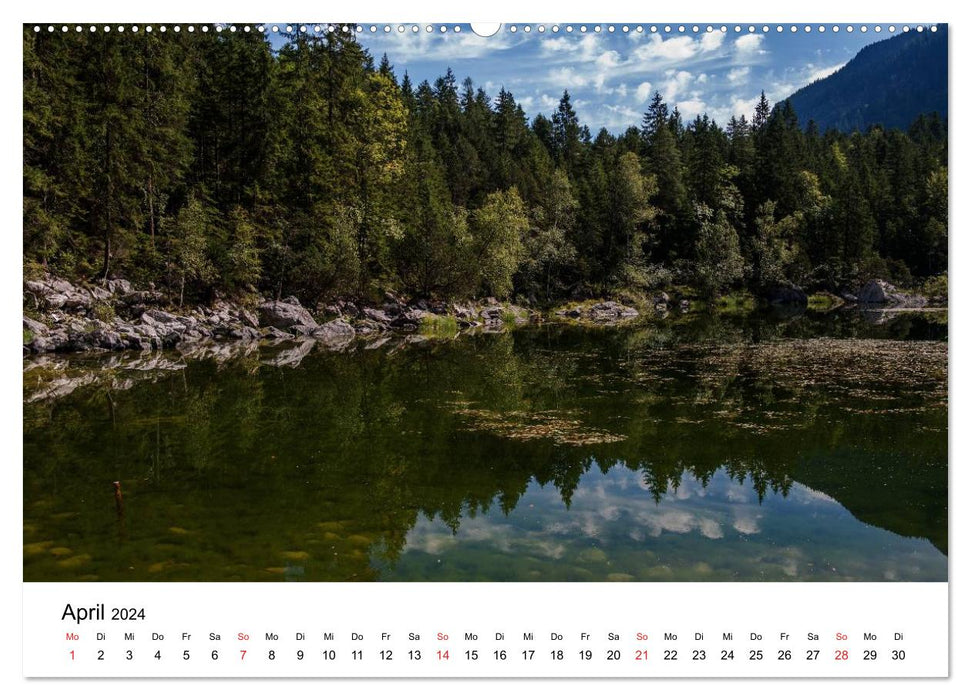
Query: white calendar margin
x=508, y=10
x=430, y=629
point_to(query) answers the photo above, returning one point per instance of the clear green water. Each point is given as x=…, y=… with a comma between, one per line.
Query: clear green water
x=720, y=449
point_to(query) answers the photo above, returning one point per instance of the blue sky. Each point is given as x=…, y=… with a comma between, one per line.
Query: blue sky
x=611, y=76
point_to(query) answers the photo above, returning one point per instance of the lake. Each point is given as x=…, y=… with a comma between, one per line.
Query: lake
x=722, y=448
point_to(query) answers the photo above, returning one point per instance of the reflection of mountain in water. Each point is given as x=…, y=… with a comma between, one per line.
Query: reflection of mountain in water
x=242, y=470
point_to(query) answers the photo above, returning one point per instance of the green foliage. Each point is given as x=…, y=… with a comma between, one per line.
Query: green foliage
x=498, y=227
x=237, y=257
x=719, y=259
x=213, y=163
x=774, y=247
x=436, y=325
x=823, y=301
x=735, y=302
x=190, y=238
x=935, y=287
x=103, y=311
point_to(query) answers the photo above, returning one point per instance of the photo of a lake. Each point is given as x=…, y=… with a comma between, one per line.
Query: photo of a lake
x=587, y=302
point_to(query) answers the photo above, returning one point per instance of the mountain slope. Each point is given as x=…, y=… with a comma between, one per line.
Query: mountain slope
x=889, y=83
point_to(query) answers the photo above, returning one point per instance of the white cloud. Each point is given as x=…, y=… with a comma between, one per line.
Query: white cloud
x=675, y=49
x=643, y=91
x=608, y=59
x=567, y=78
x=712, y=40
x=560, y=43
x=692, y=107
x=749, y=43
x=677, y=81
x=738, y=75
x=428, y=46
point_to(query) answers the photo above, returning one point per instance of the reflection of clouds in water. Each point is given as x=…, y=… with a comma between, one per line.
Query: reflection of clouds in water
x=804, y=494
x=710, y=529
x=427, y=536
x=720, y=530
x=746, y=522
x=735, y=492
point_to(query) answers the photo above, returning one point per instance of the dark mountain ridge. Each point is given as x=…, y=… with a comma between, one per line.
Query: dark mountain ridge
x=889, y=83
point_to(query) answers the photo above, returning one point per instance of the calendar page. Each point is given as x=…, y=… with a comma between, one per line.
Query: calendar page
x=455, y=350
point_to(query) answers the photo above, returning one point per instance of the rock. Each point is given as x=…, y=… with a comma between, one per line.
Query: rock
x=272, y=333
x=376, y=315
x=661, y=298
x=338, y=328
x=849, y=298
x=787, y=296
x=54, y=301
x=52, y=342
x=99, y=293
x=135, y=342
x=876, y=292
x=409, y=320
x=142, y=297
x=158, y=316
x=463, y=311
x=248, y=317
x=291, y=300
x=366, y=325
x=684, y=306
x=237, y=332
x=302, y=330
x=607, y=311
x=120, y=287
x=491, y=312
x=62, y=286
x=35, y=327
x=285, y=315
x=108, y=340
x=171, y=339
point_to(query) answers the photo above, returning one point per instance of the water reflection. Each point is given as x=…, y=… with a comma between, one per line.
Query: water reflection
x=615, y=530
x=719, y=449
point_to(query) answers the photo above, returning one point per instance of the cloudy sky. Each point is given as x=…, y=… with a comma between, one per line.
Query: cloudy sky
x=612, y=75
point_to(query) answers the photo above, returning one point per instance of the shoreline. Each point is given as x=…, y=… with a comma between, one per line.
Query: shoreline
x=62, y=317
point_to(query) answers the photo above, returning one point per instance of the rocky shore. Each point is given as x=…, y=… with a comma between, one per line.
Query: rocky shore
x=60, y=316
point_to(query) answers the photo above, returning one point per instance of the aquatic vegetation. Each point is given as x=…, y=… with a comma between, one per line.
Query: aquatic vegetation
x=557, y=426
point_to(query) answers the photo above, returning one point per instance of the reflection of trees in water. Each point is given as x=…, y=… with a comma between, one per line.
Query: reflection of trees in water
x=338, y=458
